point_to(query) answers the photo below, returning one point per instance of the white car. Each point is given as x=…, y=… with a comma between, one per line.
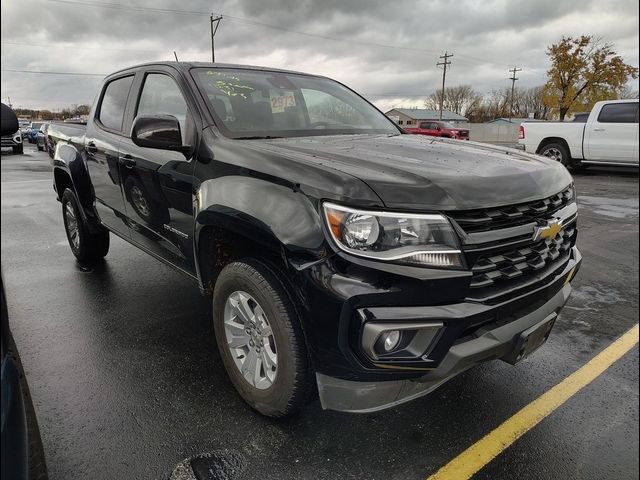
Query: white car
x=608, y=137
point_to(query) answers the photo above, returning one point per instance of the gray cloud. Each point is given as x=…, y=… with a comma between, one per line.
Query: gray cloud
x=486, y=38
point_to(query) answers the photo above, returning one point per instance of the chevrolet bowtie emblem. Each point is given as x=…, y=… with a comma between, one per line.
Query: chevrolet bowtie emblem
x=550, y=230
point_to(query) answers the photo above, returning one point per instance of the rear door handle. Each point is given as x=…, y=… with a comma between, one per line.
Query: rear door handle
x=127, y=161
x=91, y=147
x=598, y=129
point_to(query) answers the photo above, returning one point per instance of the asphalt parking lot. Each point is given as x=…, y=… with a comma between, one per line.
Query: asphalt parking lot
x=127, y=382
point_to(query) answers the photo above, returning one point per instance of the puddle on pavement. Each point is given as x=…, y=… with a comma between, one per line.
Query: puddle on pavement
x=610, y=207
x=589, y=297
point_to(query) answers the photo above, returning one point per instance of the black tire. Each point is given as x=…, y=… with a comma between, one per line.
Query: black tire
x=558, y=152
x=18, y=150
x=293, y=381
x=40, y=148
x=89, y=246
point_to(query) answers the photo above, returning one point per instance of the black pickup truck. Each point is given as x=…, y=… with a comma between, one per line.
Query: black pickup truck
x=341, y=253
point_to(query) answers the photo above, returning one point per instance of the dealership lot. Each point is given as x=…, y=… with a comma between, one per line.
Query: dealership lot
x=127, y=382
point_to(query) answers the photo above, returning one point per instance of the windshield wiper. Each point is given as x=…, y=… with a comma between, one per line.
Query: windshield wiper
x=257, y=137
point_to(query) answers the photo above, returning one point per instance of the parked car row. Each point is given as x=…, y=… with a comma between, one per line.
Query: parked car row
x=11, y=135
x=36, y=132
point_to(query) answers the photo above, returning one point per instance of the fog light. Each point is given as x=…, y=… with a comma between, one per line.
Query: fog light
x=391, y=340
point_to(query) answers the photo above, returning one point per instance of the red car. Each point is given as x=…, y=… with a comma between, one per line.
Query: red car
x=440, y=129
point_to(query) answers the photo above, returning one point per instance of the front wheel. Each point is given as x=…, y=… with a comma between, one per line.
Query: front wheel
x=87, y=246
x=260, y=340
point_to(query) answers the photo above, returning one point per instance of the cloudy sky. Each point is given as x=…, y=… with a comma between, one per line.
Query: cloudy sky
x=385, y=49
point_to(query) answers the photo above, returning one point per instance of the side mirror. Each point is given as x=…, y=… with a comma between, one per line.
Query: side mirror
x=158, y=131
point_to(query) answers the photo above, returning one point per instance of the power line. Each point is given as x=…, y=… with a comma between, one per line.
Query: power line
x=444, y=63
x=25, y=44
x=41, y=72
x=121, y=6
x=248, y=21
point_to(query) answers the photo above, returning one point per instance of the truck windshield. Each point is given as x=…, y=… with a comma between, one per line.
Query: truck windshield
x=266, y=104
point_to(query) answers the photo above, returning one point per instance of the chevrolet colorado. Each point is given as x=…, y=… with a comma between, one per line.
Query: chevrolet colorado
x=341, y=254
x=609, y=136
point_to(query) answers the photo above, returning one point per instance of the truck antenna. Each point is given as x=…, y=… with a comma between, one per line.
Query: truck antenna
x=175, y=55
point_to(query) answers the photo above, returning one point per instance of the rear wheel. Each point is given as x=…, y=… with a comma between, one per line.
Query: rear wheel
x=87, y=246
x=557, y=152
x=260, y=340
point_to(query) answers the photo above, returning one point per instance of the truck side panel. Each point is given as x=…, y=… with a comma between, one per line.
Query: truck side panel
x=537, y=134
x=70, y=169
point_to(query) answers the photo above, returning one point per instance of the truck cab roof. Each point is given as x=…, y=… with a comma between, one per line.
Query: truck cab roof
x=186, y=66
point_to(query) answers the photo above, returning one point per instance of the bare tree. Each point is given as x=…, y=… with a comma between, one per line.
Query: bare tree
x=627, y=92
x=497, y=103
x=460, y=99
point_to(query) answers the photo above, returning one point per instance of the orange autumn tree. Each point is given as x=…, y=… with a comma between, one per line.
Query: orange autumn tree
x=583, y=71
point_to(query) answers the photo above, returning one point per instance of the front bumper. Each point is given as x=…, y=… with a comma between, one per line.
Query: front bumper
x=11, y=141
x=494, y=339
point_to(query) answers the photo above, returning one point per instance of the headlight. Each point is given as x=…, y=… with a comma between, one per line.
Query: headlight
x=414, y=239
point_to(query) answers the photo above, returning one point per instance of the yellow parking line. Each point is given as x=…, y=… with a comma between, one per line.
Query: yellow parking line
x=490, y=446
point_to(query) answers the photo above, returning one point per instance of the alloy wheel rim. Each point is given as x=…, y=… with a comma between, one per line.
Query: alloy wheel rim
x=250, y=340
x=554, y=154
x=72, y=225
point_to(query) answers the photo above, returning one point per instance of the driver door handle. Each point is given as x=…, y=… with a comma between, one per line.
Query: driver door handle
x=127, y=161
x=598, y=129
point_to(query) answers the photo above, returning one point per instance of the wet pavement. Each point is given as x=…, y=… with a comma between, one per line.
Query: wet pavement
x=127, y=383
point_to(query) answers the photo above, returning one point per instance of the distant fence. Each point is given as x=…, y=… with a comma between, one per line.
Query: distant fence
x=494, y=132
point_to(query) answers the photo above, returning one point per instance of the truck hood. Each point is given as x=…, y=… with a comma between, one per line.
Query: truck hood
x=417, y=172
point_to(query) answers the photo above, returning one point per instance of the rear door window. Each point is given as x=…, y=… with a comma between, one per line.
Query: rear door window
x=619, y=113
x=114, y=101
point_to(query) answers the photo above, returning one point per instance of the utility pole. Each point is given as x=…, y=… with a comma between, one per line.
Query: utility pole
x=444, y=63
x=513, y=79
x=213, y=20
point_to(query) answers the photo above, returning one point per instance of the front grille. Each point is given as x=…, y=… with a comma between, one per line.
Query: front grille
x=500, y=269
x=513, y=215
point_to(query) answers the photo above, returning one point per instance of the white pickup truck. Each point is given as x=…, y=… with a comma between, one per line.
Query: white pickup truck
x=608, y=137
